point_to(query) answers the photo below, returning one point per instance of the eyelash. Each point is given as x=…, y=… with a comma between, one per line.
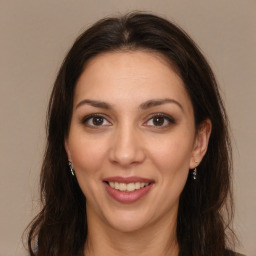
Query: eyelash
x=166, y=117
x=86, y=119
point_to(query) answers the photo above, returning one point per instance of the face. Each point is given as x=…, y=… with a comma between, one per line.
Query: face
x=132, y=139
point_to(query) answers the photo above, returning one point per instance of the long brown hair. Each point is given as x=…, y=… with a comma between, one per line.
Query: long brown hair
x=205, y=208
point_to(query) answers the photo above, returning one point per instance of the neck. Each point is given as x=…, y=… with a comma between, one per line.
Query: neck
x=158, y=239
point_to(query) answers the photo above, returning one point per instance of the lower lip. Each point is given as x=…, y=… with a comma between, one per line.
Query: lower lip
x=127, y=197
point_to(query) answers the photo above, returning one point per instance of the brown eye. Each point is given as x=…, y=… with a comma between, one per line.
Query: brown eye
x=98, y=120
x=95, y=120
x=158, y=120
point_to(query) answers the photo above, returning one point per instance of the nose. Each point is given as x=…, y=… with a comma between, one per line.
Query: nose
x=126, y=147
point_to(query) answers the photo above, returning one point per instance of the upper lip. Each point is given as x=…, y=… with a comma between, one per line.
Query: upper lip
x=131, y=179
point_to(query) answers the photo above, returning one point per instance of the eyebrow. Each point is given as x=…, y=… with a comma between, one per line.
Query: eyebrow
x=158, y=102
x=94, y=103
x=143, y=106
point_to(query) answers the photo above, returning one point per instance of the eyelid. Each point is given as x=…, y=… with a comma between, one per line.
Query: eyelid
x=88, y=117
x=167, y=117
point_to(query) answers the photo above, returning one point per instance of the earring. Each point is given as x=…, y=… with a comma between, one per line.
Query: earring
x=194, y=174
x=71, y=168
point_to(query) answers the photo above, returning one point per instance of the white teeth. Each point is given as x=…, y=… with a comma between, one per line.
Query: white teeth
x=122, y=186
x=129, y=187
x=116, y=185
x=137, y=185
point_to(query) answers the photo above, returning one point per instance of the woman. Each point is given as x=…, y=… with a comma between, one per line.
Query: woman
x=138, y=157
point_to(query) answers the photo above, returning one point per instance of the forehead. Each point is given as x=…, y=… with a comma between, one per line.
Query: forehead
x=126, y=75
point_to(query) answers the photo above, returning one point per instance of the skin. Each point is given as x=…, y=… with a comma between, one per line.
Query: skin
x=128, y=141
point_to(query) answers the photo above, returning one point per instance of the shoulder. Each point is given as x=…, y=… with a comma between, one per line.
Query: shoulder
x=232, y=253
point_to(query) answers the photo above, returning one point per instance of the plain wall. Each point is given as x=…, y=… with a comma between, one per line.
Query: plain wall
x=35, y=35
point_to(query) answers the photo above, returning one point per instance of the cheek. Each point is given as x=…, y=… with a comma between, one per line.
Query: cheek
x=172, y=158
x=87, y=153
x=88, y=158
x=172, y=153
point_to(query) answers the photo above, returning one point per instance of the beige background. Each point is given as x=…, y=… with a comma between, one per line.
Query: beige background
x=35, y=35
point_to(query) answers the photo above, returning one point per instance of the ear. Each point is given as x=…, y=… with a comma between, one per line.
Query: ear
x=66, y=145
x=200, y=143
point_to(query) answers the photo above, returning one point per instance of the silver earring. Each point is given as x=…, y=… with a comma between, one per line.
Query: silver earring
x=71, y=168
x=194, y=174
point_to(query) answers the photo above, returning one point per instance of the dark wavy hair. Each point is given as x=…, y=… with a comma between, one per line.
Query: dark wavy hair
x=205, y=208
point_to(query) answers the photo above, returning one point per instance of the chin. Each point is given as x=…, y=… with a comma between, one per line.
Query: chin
x=130, y=220
x=128, y=223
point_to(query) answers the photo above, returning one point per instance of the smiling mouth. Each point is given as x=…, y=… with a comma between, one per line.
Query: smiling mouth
x=128, y=187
